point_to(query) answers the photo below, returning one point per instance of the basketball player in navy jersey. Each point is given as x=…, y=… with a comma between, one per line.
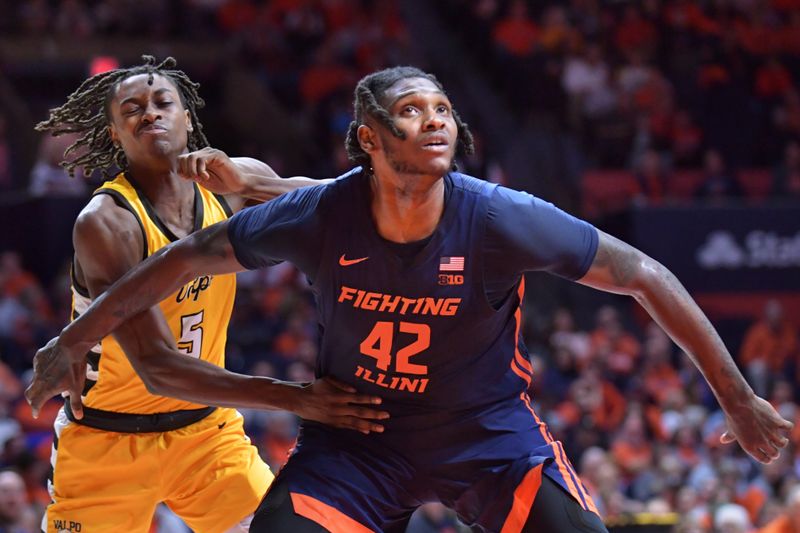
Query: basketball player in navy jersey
x=417, y=271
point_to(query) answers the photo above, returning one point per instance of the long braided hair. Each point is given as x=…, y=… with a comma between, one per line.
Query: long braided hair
x=87, y=112
x=369, y=90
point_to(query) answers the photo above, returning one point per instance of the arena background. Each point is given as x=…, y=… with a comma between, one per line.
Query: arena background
x=673, y=124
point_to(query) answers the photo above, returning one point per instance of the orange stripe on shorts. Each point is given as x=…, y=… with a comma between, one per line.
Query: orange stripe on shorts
x=563, y=467
x=524, y=495
x=323, y=514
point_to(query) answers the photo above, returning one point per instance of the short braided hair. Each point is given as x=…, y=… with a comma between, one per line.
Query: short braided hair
x=369, y=90
x=87, y=112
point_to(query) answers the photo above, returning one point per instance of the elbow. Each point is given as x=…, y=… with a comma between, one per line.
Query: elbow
x=155, y=375
x=153, y=383
x=650, y=280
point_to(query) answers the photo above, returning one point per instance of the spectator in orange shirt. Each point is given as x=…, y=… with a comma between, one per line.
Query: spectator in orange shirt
x=611, y=343
x=632, y=448
x=516, y=34
x=769, y=347
x=789, y=520
x=659, y=376
x=593, y=401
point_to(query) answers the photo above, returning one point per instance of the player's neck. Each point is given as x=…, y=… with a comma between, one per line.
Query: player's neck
x=406, y=208
x=171, y=196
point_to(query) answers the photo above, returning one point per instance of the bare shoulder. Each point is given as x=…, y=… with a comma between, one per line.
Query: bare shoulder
x=106, y=232
x=102, y=215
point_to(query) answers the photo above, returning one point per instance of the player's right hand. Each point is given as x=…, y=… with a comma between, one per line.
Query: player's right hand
x=56, y=371
x=329, y=401
x=212, y=169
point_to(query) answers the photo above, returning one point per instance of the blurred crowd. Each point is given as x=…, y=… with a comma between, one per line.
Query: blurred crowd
x=693, y=91
x=673, y=99
x=689, y=99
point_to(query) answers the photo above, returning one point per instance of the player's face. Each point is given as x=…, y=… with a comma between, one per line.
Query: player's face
x=149, y=121
x=424, y=113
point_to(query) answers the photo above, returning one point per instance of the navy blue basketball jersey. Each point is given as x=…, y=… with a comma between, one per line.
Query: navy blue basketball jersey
x=419, y=330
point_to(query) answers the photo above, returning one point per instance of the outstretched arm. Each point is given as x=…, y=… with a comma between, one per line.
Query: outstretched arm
x=238, y=178
x=140, y=328
x=143, y=286
x=622, y=269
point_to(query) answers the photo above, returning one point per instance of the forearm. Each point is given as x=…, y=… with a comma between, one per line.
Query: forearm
x=620, y=268
x=141, y=288
x=264, y=188
x=177, y=375
x=671, y=306
x=258, y=181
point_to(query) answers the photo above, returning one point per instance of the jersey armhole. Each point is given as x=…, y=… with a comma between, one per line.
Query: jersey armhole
x=80, y=289
x=122, y=202
x=223, y=202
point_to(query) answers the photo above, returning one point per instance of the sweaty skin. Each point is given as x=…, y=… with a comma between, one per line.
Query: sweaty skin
x=407, y=203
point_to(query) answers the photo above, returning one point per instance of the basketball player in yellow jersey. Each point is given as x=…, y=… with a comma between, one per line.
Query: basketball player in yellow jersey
x=131, y=446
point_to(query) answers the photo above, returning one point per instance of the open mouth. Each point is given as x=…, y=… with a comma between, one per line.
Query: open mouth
x=436, y=143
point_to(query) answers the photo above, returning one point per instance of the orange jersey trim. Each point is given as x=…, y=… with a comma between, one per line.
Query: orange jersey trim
x=518, y=371
x=323, y=514
x=521, y=361
x=524, y=495
x=518, y=363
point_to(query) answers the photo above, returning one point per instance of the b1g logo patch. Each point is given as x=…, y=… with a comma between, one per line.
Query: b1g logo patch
x=451, y=279
x=448, y=266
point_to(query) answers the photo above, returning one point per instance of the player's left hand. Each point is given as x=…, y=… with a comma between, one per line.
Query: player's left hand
x=56, y=371
x=214, y=170
x=758, y=427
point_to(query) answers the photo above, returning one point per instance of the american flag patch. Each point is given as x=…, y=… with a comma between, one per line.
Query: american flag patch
x=451, y=264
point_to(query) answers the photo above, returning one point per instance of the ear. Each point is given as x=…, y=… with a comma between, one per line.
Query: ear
x=112, y=132
x=188, y=117
x=367, y=139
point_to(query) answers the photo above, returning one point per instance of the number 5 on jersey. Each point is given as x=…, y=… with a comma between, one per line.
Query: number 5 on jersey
x=191, y=341
x=378, y=345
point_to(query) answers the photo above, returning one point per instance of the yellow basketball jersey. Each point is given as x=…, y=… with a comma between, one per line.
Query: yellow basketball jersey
x=198, y=313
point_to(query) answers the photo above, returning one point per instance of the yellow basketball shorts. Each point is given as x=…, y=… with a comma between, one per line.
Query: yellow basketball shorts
x=208, y=473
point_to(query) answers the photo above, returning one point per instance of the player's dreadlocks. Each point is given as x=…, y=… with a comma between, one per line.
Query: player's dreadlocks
x=87, y=112
x=370, y=90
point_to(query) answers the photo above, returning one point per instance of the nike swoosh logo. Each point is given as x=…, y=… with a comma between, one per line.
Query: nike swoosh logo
x=347, y=262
